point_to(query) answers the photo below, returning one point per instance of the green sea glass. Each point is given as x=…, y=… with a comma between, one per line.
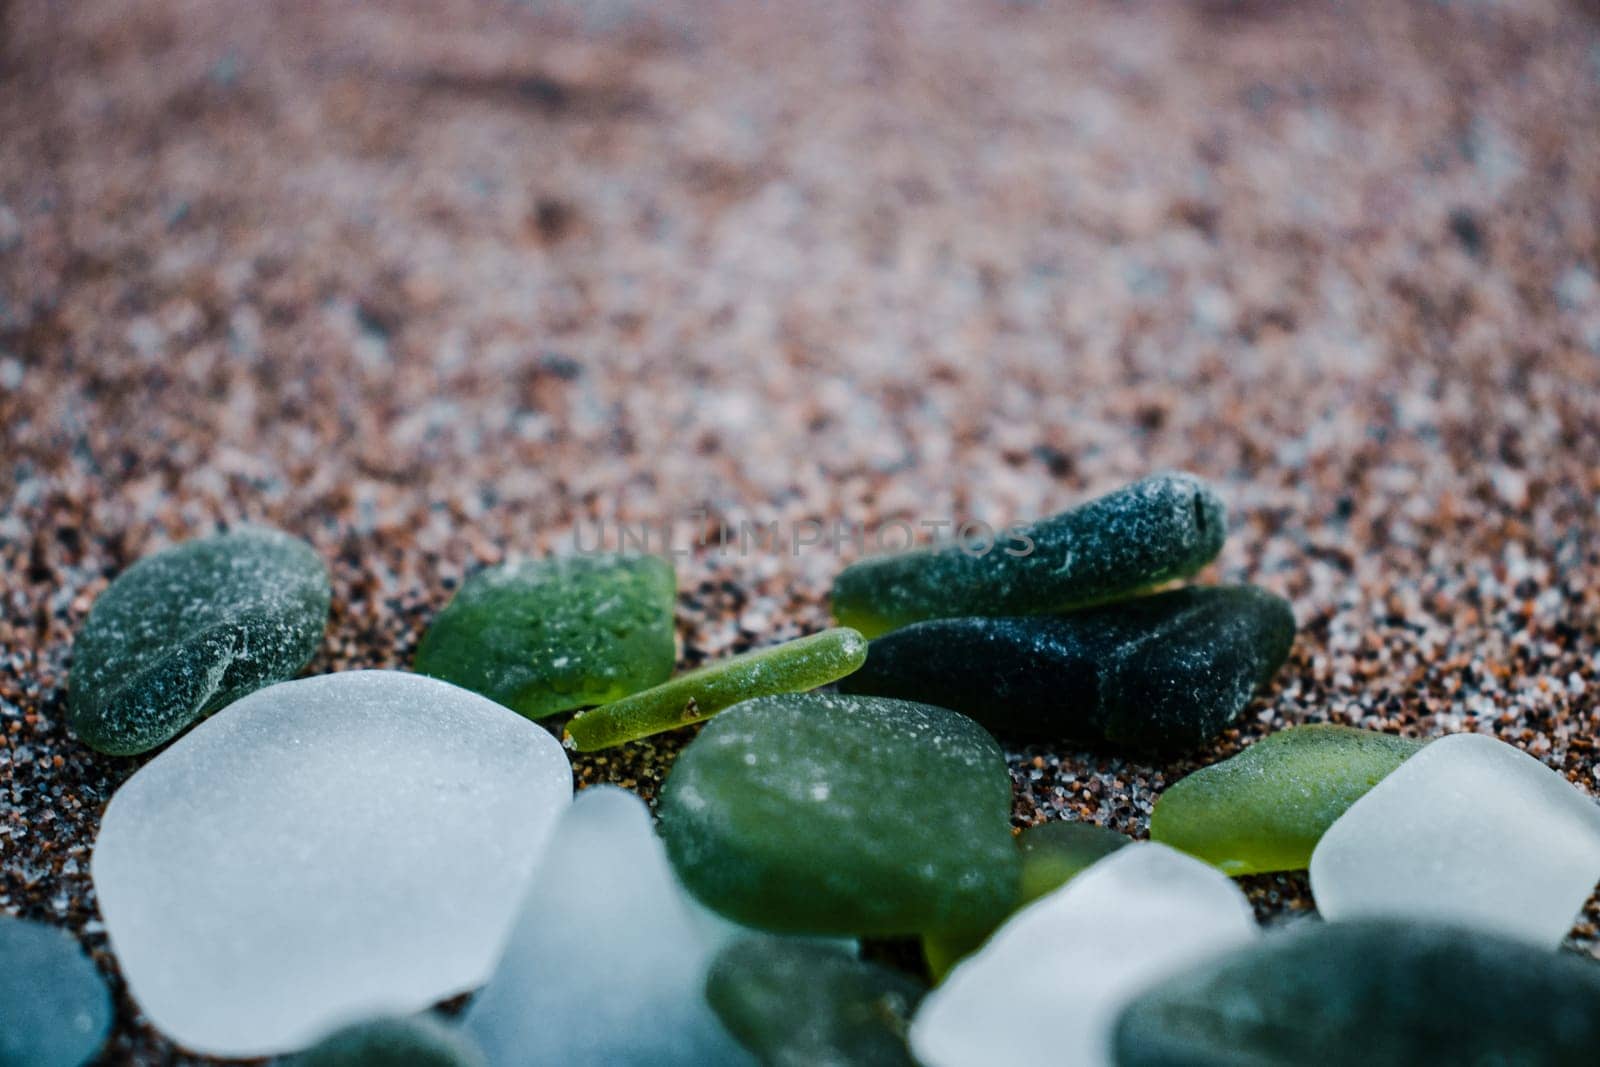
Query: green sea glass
x=794, y=1004
x=191, y=629
x=826, y=814
x=1370, y=993
x=551, y=635
x=1162, y=673
x=793, y=666
x=1266, y=808
x=1052, y=853
x=393, y=1041
x=1163, y=527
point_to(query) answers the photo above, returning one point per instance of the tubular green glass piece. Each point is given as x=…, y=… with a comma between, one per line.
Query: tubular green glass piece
x=791, y=667
x=1163, y=527
x=1266, y=808
x=551, y=635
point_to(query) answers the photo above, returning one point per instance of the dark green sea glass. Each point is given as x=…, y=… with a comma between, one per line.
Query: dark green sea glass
x=1162, y=673
x=191, y=629
x=393, y=1041
x=1370, y=993
x=826, y=814
x=550, y=635
x=794, y=1004
x=1163, y=527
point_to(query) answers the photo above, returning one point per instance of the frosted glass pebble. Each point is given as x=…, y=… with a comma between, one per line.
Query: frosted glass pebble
x=1056, y=975
x=1470, y=830
x=608, y=962
x=320, y=851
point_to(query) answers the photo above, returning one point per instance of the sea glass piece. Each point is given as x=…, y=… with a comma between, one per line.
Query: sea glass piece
x=550, y=635
x=825, y=814
x=794, y=1004
x=608, y=961
x=1266, y=808
x=393, y=1041
x=1163, y=527
x=1056, y=976
x=793, y=666
x=1370, y=993
x=1162, y=673
x=55, y=1010
x=321, y=851
x=1470, y=830
x=190, y=629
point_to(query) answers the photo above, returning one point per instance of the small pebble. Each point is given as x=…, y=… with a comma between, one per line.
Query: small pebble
x=1370, y=993
x=1470, y=830
x=791, y=667
x=1162, y=673
x=607, y=963
x=189, y=630
x=1163, y=527
x=1053, y=853
x=393, y=1041
x=55, y=1010
x=1058, y=973
x=323, y=850
x=551, y=635
x=794, y=1004
x=1266, y=808
x=779, y=816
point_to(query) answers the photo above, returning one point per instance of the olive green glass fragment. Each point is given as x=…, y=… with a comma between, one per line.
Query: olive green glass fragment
x=1053, y=853
x=794, y=1004
x=794, y=666
x=551, y=635
x=1164, y=527
x=1265, y=808
x=393, y=1041
x=825, y=814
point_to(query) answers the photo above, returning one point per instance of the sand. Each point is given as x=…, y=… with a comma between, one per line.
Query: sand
x=438, y=283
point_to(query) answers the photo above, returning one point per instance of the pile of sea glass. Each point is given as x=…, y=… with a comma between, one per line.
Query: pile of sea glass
x=309, y=867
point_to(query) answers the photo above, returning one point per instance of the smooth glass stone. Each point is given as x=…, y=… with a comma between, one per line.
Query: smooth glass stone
x=791, y=667
x=1470, y=830
x=1053, y=853
x=190, y=629
x=393, y=1041
x=825, y=814
x=324, y=850
x=551, y=635
x=802, y=1005
x=1162, y=673
x=1266, y=808
x=55, y=1010
x=608, y=961
x=1370, y=993
x=1056, y=976
x=1163, y=527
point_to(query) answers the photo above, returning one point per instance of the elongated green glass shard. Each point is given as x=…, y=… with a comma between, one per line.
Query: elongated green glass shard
x=792, y=1003
x=1164, y=527
x=1266, y=808
x=826, y=814
x=551, y=635
x=191, y=629
x=791, y=667
x=1370, y=993
x=1053, y=853
x=1162, y=673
